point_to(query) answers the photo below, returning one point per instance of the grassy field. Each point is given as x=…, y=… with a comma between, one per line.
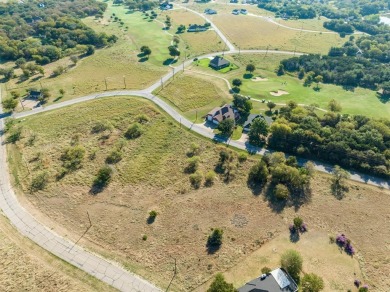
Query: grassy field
x=26, y=267
x=193, y=43
x=256, y=33
x=151, y=176
x=191, y=93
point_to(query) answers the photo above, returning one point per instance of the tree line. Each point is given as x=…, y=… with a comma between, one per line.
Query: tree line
x=45, y=32
x=363, y=62
x=355, y=142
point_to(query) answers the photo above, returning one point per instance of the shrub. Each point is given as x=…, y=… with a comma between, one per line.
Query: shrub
x=9, y=104
x=291, y=261
x=196, y=179
x=14, y=135
x=114, y=157
x=357, y=283
x=194, y=149
x=103, y=177
x=364, y=288
x=242, y=157
x=144, y=237
x=142, y=119
x=281, y=192
x=39, y=182
x=343, y=242
x=266, y=270
x=192, y=164
x=298, y=222
x=99, y=127
x=215, y=238
x=153, y=214
x=209, y=178
x=134, y=131
x=312, y=283
x=73, y=157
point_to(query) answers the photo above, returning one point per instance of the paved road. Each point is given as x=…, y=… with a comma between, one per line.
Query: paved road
x=104, y=270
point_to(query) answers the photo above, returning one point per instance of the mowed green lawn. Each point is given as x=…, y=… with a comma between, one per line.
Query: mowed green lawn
x=360, y=101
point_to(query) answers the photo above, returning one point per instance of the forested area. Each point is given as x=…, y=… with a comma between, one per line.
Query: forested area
x=46, y=31
x=355, y=142
x=363, y=62
x=346, y=16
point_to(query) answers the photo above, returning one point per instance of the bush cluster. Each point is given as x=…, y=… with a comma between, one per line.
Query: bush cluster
x=343, y=242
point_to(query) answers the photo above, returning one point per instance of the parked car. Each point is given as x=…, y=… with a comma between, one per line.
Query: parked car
x=235, y=12
x=244, y=11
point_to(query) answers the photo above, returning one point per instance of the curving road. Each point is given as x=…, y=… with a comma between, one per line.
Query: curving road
x=91, y=263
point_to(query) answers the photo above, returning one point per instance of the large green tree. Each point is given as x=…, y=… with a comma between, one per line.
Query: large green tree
x=226, y=127
x=220, y=285
x=242, y=104
x=291, y=261
x=258, y=131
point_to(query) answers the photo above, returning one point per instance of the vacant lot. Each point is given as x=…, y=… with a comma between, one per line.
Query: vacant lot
x=256, y=33
x=191, y=92
x=26, y=267
x=151, y=176
x=193, y=43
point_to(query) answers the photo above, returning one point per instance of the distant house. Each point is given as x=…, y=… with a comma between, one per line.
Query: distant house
x=219, y=63
x=276, y=281
x=221, y=113
x=210, y=11
x=34, y=94
x=166, y=6
x=251, y=118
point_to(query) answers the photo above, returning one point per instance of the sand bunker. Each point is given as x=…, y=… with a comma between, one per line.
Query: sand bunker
x=278, y=93
x=257, y=79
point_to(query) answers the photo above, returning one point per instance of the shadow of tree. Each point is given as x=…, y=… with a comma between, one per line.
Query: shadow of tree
x=248, y=76
x=169, y=61
x=150, y=220
x=294, y=236
x=212, y=249
x=338, y=190
x=383, y=98
x=143, y=59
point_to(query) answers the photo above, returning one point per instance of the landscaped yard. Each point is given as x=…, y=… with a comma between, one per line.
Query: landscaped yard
x=151, y=176
x=256, y=33
x=206, y=62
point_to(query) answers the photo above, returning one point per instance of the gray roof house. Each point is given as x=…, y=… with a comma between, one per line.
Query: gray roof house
x=248, y=123
x=219, y=114
x=34, y=94
x=219, y=63
x=276, y=281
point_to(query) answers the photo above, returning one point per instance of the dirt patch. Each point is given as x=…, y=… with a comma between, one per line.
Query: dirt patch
x=258, y=79
x=30, y=103
x=278, y=93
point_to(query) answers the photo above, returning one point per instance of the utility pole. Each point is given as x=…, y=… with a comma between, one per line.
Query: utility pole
x=173, y=73
x=124, y=80
x=174, y=275
x=162, y=84
x=89, y=227
x=105, y=81
x=21, y=103
x=196, y=119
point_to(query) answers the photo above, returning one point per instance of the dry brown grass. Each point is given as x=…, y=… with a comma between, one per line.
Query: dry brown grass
x=26, y=267
x=255, y=33
x=151, y=177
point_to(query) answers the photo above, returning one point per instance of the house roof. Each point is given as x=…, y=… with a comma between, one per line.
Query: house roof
x=276, y=281
x=250, y=119
x=222, y=113
x=219, y=61
x=34, y=93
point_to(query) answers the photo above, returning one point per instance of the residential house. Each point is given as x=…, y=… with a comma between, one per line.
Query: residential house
x=219, y=114
x=276, y=281
x=219, y=63
x=248, y=123
x=34, y=94
x=166, y=6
